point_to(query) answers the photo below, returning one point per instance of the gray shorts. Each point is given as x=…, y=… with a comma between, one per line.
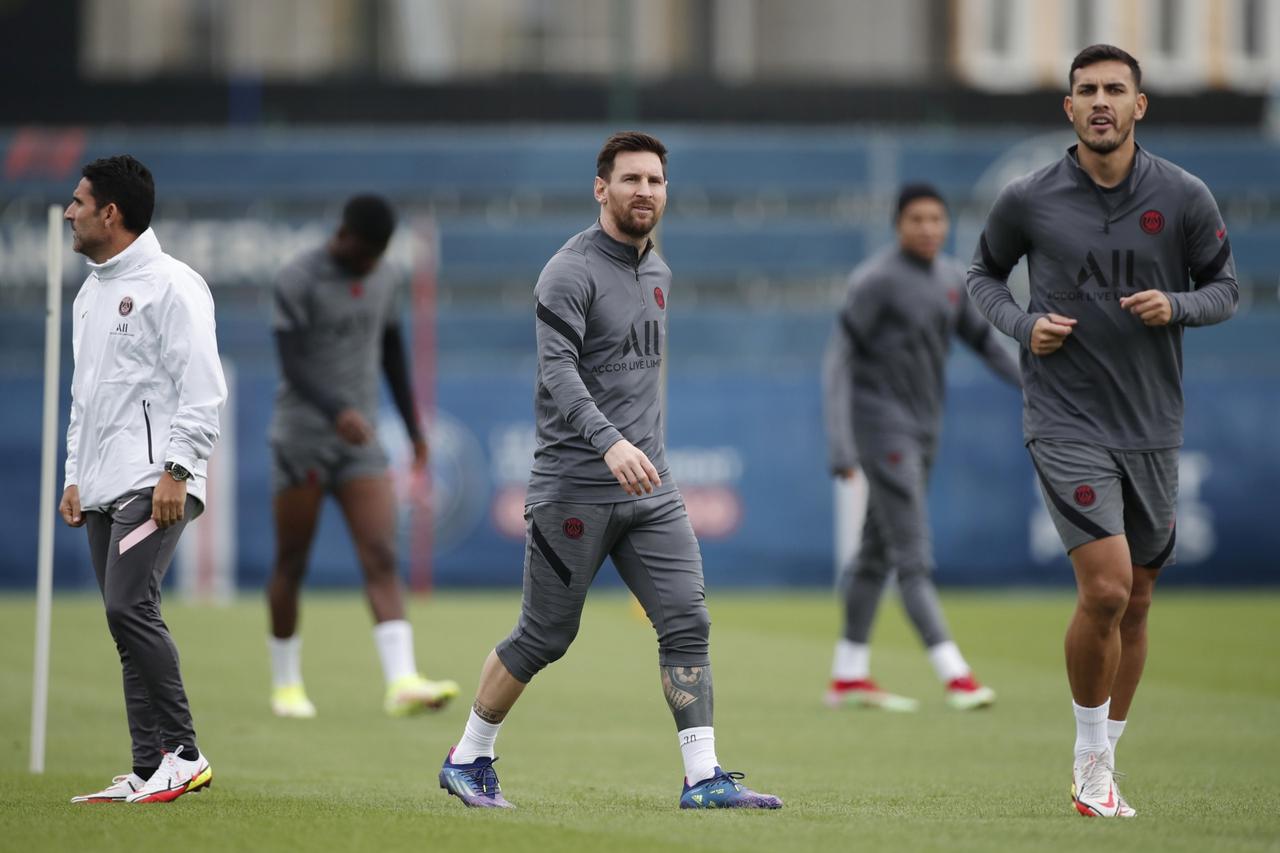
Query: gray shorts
x=327, y=462
x=1093, y=492
x=652, y=545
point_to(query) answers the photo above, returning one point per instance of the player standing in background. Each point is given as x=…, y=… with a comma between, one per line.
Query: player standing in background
x=1124, y=250
x=145, y=393
x=600, y=485
x=884, y=380
x=335, y=323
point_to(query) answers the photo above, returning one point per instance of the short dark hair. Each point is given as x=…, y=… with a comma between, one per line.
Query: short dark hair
x=1095, y=53
x=370, y=218
x=628, y=140
x=915, y=192
x=126, y=183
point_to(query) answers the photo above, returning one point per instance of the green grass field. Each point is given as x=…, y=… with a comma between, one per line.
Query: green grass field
x=590, y=758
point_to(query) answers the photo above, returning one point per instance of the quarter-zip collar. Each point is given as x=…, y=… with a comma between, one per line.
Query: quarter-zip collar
x=623, y=252
x=1113, y=200
x=139, y=252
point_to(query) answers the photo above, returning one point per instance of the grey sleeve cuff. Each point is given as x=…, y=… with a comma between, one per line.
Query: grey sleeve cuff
x=1024, y=328
x=605, y=438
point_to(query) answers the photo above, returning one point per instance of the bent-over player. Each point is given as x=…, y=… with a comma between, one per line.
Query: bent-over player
x=335, y=325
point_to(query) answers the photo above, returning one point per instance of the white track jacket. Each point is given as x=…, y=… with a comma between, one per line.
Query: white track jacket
x=147, y=385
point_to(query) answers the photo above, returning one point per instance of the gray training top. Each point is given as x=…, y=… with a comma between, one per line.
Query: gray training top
x=1115, y=382
x=885, y=364
x=601, y=327
x=343, y=319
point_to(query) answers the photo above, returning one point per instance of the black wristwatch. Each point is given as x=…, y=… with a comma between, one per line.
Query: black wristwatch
x=177, y=472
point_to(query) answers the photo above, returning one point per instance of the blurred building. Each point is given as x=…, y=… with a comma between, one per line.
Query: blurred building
x=997, y=45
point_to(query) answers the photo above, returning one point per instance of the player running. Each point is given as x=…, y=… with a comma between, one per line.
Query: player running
x=883, y=387
x=1124, y=250
x=600, y=485
x=335, y=323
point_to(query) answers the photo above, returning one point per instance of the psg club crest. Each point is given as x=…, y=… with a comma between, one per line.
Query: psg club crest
x=573, y=528
x=126, y=306
x=658, y=298
x=1152, y=222
x=1084, y=495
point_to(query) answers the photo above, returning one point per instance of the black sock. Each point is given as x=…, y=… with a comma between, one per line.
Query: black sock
x=189, y=751
x=144, y=773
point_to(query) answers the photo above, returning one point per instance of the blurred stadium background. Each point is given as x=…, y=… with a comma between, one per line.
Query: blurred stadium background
x=790, y=122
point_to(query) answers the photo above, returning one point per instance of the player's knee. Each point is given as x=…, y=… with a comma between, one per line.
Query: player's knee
x=914, y=572
x=123, y=615
x=526, y=653
x=291, y=564
x=378, y=558
x=686, y=638
x=1105, y=598
x=871, y=570
x=1139, y=604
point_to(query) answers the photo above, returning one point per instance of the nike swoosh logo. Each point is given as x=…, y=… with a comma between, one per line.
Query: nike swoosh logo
x=1111, y=798
x=126, y=503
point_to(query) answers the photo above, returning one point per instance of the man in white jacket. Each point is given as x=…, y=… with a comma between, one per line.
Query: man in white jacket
x=145, y=396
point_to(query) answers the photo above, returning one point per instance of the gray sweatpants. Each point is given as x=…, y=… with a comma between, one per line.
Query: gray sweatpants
x=130, y=557
x=895, y=538
x=653, y=547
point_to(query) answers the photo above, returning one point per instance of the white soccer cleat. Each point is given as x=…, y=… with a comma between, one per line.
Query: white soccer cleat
x=1125, y=810
x=1093, y=788
x=966, y=694
x=292, y=702
x=120, y=788
x=865, y=693
x=414, y=694
x=176, y=776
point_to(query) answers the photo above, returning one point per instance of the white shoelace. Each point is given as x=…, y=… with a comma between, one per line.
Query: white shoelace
x=1096, y=781
x=165, y=774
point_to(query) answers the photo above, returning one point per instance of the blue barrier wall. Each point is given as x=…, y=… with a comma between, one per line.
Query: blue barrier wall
x=745, y=434
x=768, y=207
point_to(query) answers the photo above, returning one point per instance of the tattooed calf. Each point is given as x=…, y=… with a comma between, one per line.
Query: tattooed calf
x=688, y=692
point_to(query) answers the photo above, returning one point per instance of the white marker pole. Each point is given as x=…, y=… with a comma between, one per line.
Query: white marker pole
x=44, y=558
x=850, y=512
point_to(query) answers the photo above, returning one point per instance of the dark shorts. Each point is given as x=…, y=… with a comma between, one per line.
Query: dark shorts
x=327, y=462
x=1093, y=492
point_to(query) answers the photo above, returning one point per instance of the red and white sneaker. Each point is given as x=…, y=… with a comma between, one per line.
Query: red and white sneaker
x=1093, y=788
x=120, y=788
x=865, y=693
x=966, y=694
x=1125, y=810
x=175, y=777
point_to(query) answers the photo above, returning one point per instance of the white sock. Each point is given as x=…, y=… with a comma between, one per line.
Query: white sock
x=1115, y=728
x=947, y=661
x=286, y=661
x=477, y=740
x=852, y=661
x=394, y=639
x=1091, y=729
x=698, y=749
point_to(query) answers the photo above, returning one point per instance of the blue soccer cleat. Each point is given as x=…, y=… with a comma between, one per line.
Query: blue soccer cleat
x=723, y=791
x=476, y=784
